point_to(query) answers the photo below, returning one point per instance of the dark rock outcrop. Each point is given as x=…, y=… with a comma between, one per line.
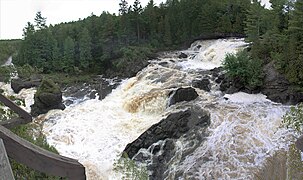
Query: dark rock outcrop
x=97, y=86
x=126, y=68
x=47, y=97
x=182, y=55
x=299, y=143
x=203, y=84
x=277, y=88
x=182, y=94
x=172, y=127
x=18, y=84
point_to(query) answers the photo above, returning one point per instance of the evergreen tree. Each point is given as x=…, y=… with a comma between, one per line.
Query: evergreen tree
x=85, y=49
x=253, y=22
x=123, y=7
x=69, y=52
x=28, y=30
x=295, y=69
x=40, y=21
x=137, y=9
x=167, y=34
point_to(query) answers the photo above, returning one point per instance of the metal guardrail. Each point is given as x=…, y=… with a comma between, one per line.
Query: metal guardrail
x=31, y=155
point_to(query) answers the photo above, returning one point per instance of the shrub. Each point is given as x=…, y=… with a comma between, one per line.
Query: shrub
x=6, y=72
x=48, y=86
x=130, y=169
x=27, y=70
x=241, y=67
x=294, y=118
x=33, y=134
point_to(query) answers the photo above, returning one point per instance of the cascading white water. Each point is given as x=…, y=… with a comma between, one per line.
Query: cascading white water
x=244, y=129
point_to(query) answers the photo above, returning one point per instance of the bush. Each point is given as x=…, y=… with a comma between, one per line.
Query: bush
x=6, y=72
x=241, y=67
x=294, y=118
x=132, y=54
x=26, y=71
x=130, y=169
x=48, y=86
x=33, y=134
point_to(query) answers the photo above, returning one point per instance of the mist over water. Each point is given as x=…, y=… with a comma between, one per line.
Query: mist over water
x=243, y=132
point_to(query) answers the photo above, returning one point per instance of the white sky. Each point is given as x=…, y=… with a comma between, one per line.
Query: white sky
x=14, y=14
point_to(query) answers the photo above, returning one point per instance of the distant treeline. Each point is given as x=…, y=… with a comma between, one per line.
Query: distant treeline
x=99, y=43
x=8, y=48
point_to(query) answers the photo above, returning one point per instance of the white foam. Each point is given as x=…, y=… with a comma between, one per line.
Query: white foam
x=96, y=132
x=244, y=130
x=211, y=53
x=241, y=97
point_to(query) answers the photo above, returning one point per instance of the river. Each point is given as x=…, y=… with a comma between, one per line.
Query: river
x=244, y=129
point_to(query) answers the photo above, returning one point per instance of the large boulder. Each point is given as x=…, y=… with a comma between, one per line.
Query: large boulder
x=182, y=94
x=203, y=84
x=18, y=84
x=183, y=56
x=172, y=127
x=277, y=88
x=47, y=97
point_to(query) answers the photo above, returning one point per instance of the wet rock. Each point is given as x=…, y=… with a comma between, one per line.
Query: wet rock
x=18, y=84
x=172, y=127
x=203, y=84
x=277, y=88
x=160, y=162
x=220, y=78
x=299, y=143
x=183, y=56
x=99, y=86
x=182, y=94
x=47, y=97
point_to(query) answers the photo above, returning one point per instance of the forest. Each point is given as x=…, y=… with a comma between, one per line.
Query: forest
x=98, y=44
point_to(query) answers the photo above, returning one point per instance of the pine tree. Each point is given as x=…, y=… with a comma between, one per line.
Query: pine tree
x=123, y=7
x=295, y=68
x=69, y=52
x=137, y=9
x=253, y=22
x=40, y=21
x=85, y=49
x=167, y=34
x=28, y=30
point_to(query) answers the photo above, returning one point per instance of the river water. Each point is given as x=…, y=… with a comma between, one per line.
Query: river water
x=244, y=129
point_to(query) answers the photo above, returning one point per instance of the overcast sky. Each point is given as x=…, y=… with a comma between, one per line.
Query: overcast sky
x=14, y=14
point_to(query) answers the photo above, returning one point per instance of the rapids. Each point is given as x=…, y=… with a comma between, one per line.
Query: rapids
x=244, y=129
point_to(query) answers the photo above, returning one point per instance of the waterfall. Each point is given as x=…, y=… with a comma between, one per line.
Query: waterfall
x=244, y=129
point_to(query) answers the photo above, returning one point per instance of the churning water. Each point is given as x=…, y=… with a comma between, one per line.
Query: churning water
x=243, y=132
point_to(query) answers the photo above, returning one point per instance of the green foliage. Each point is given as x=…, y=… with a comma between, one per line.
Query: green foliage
x=295, y=164
x=64, y=79
x=294, y=118
x=47, y=86
x=6, y=113
x=95, y=43
x=33, y=134
x=277, y=35
x=244, y=69
x=8, y=48
x=6, y=73
x=130, y=169
x=132, y=54
x=27, y=70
